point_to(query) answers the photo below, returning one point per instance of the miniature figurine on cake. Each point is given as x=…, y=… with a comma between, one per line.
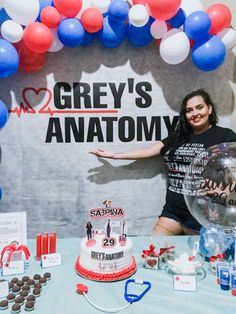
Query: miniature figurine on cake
x=108, y=228
x=89, y=229
x=106, y=255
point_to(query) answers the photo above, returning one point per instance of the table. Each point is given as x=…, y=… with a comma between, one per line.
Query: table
x=59, y=296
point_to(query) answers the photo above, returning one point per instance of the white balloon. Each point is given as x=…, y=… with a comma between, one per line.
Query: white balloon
x=11, y=31
x=138, y=15
x=86, y=4
x=22, y=11
x=228, y=37
x=190, y=6
x=101, y=5
x=158, y=29
x=174, y=46
x=56, y=43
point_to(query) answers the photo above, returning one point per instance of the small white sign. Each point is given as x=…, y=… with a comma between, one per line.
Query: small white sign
x=185, y=283
x=12, y=228
x=4, y=289
x=13, y=268
x=50, y=260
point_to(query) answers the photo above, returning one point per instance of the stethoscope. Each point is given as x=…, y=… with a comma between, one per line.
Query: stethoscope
x=129, y=297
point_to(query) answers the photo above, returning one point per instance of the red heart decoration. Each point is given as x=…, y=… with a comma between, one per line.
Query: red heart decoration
x=30, y=101
x=151, y=262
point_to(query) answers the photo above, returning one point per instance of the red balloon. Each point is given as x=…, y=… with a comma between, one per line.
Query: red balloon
x=92, y=20
x=192, y=42
x=139, y=2
x=220, y=16
x=163, y=10
x=158, y=41
x=50, y=17
x=68, y=8
x=37, y=37
x=29, y=61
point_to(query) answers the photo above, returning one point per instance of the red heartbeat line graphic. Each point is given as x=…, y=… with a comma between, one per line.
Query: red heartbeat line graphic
x=45, y=108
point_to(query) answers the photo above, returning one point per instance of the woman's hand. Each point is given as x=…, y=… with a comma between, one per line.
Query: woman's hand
x=103, y=153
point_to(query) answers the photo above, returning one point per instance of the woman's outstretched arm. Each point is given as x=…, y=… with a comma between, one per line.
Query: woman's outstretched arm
x=141, y=153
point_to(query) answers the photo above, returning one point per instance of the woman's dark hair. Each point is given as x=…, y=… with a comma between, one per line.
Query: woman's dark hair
x=182, y=132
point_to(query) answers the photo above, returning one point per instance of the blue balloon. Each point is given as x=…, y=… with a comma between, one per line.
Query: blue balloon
x=177, y=20
x=1, y=193
x=9, y=59
x=197, y=25
x=3, y=16
x=140, y=36
x=118, y=10
x=209, y=53
x=112, y=34
x=88, y=38
x=71, y=32
x=3, y=115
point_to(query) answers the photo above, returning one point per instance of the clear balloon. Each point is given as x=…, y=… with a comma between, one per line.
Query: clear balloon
x=138, y=15
x=9, y=59
x=228, y=37
x=213, y=241
x=12, y=31
x=208, y=54
x=210, y=187
x=3, y=117
x=23, y=12
x=174, y=46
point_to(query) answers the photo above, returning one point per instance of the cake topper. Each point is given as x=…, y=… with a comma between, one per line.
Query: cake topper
x=113, y=216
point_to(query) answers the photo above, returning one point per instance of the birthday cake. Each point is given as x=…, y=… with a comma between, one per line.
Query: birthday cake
x=106, y=255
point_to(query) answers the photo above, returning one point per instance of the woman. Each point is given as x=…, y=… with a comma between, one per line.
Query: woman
x=196, y=131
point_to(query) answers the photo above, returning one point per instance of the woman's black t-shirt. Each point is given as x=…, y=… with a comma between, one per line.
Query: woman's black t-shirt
x=177, y=163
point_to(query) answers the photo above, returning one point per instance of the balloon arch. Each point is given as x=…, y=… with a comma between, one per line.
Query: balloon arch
x=31, y=28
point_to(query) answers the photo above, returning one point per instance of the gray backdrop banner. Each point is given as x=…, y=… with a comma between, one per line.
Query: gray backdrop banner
x=88, y=97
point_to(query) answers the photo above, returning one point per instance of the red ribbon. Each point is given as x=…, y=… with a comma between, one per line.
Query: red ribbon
x=152, y=252
x=14, y=248
x=163, y=250
x=216, y=257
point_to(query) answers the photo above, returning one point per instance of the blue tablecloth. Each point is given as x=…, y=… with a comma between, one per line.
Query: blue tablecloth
x=59, y=295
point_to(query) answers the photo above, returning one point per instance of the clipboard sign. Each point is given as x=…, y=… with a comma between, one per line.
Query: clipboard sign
x=12, y=228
